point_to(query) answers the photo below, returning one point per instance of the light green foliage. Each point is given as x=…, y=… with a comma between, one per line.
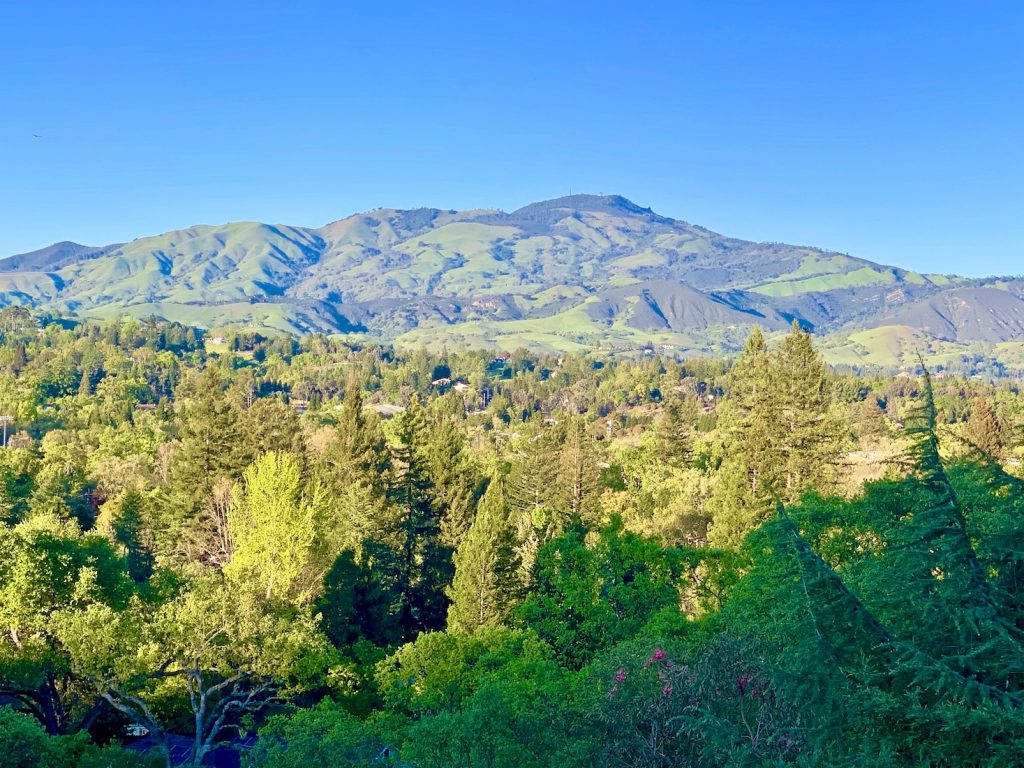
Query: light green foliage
x=195, y=538
x=326, y=735
x=486, y=583
x=273, y=528
x=49, y=570
x=220, y=647
x=440, y=671
x=780, y=438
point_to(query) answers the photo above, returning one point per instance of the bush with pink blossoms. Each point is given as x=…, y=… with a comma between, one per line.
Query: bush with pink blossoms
x=662, y=709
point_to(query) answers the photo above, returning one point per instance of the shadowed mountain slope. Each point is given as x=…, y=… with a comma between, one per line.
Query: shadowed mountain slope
x=580, y=268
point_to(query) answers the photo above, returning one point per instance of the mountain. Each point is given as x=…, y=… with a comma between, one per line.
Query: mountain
x=976, y=313
x=571, y=273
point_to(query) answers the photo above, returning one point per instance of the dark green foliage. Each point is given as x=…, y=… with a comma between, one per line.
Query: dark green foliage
x=24, y=744
x=586, y=598
x=355, y=604
x=984, y=429
x=424, y=562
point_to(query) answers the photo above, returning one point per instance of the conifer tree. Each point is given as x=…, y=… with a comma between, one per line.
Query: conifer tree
x=810, y=439
x=210, y=450
x=356, y=469
x=676, y=430
x=129, y=528
x=533, y=479
x=749, y=472
x=271, y=425
x=359, y=451
x=453, y=477
x=210, y=443
x=779, y=438
x=424, y=564
x=959, y=616
x=872, y=418
x=486, y=566
x=984, y=429
x=578, y=477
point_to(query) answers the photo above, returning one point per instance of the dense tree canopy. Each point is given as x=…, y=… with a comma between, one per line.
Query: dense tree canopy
x=342, y=557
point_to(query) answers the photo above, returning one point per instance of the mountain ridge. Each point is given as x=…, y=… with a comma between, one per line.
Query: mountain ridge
x=575, y=271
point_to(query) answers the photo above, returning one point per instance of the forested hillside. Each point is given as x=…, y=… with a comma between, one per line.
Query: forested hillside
x=322, y=552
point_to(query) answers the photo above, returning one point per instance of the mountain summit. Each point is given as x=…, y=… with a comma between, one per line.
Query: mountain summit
x=573, y=272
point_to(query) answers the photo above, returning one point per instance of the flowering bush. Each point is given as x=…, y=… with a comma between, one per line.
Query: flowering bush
x=662, y=710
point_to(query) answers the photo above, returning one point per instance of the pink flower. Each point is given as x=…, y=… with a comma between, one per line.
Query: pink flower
x=666, y=691
x=620, y=676
x=658, y=655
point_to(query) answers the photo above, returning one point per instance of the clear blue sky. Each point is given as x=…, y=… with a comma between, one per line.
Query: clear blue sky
x=890, y=130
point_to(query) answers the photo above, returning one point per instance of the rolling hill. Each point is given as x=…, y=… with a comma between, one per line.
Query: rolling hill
x=575, y=272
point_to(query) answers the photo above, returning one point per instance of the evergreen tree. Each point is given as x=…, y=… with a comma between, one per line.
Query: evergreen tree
x=959, y=615
x=358, y=452
x=578, y=475
x=356, y=603
x=984, y=429
x=453, y=477
x=424, y=564
x=872, y=417
x=130, y=529
x=779, y=437
x=810, y=439
x=676, y=430
x=749, y=471
x=210, y=450
x=356, y=470
x=271, y=425
x=210, y=442
x=486, y=579
x=532, y=492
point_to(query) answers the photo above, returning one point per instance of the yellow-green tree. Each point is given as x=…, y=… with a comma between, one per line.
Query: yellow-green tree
x=273, y=529
x=486, y=566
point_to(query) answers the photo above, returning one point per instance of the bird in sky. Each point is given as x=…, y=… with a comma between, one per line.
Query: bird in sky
x=36, y=136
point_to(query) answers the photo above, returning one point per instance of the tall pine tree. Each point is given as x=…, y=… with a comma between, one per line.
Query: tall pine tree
x=486, y=583
x=424, y=563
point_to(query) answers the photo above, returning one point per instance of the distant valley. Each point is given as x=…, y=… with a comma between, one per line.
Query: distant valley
x=578, y=272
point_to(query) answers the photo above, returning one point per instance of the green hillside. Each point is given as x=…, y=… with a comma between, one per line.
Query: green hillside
x=578, y=272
